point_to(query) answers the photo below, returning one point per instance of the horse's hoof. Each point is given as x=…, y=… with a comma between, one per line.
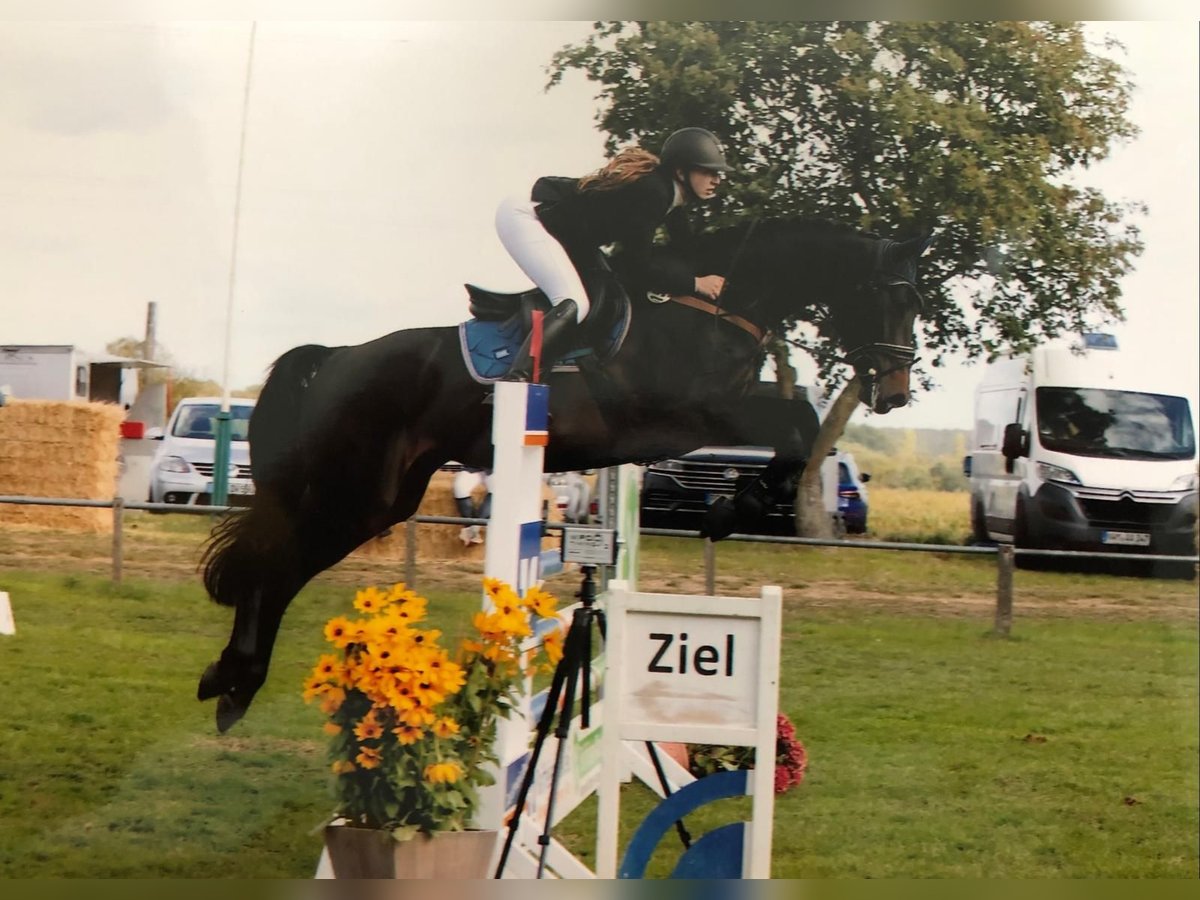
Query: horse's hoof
x=229, y=712
x=720, y=520
x=210, y=685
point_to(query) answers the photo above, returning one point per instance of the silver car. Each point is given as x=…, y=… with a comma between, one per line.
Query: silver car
x=182, y=469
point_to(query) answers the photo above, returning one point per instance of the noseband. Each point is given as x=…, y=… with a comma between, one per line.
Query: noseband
x=865, y=357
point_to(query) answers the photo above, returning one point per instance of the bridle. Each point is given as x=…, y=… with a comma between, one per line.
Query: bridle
x=865, y=358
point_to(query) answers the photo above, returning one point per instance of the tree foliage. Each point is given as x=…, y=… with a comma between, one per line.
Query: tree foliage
x=978, y=129
x=182, y=382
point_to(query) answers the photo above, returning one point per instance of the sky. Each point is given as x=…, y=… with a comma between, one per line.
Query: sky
x=374, y=155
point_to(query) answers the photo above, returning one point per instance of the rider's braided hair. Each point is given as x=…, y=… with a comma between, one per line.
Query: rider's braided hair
x=628, y=165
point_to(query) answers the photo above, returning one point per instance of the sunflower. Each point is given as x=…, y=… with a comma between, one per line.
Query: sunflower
x=369, y=757
x=369, y=728
x=443, y=773
x=341, y=632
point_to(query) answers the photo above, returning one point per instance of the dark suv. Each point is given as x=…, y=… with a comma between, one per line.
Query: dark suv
x=677, y=492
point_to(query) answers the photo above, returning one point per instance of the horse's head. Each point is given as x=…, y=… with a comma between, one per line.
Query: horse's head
x=875, y=323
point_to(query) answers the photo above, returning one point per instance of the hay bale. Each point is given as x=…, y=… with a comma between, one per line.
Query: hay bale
x=59, y=449
x=440, y=541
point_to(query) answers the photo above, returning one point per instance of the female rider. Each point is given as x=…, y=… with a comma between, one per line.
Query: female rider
x=566, y=219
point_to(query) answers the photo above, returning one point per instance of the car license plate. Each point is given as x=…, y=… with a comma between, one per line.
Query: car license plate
x=1125, y=538
x=234, y=487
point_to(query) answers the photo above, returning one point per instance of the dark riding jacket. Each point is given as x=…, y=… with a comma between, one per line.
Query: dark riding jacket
x=629, y=215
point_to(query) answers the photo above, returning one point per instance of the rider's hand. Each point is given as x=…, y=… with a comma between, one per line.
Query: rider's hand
x=710, y=286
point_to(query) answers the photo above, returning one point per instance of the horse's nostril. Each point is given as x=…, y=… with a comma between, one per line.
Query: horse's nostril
x=895, y=401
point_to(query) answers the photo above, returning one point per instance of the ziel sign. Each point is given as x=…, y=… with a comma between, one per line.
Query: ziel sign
x=691, y=669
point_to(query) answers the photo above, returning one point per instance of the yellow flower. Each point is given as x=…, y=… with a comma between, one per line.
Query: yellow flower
x=315, y=687
x=409, y=607
x=552, y=643
x=329, y=667
x=332, y=701
x=418, y=716
x=341, y=632
x=445, y=727
x=541, y=602
x=443, y=773
x=449, y=677
x=369, y=757
x=370, y=600
x=369, y=728
x=342, y=767
x=408, y=734
x=331, y=728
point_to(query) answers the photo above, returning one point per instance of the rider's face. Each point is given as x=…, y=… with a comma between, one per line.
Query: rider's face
x=704, y=182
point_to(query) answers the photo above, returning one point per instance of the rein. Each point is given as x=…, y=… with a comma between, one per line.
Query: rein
x=712, y=309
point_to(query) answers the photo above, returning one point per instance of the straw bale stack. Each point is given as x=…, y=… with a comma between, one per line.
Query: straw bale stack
x=440, y=541
x=59, y=449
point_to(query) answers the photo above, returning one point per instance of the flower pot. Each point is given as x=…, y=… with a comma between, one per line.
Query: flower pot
x=374, y=853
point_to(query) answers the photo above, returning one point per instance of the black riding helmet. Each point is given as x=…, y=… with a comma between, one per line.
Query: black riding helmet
x=693, y=148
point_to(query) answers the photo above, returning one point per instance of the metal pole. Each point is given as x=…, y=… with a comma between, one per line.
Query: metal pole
x=710, y=567
x=220, y=489
x=1004, y=590
x=118, y=526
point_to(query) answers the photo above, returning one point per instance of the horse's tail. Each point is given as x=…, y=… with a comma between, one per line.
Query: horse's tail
x=275, y=424
x=246, y=550
x=258, y=545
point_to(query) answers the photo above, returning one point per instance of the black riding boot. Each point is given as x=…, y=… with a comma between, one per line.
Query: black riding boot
x=557, y=327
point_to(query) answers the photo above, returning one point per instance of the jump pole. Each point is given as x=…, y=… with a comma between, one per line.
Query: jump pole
x=513, y=552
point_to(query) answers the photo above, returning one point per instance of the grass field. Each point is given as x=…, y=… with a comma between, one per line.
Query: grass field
x=927, y=517
x=935, y=749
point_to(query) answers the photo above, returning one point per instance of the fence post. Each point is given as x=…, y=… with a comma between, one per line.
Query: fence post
x=410, y=553
x=710, y=567
x=1004, y=590
x=118, y=528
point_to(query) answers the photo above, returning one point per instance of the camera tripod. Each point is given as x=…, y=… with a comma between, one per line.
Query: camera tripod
x=575, y=665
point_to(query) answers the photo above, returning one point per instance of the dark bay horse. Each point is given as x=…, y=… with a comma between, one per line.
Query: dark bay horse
x=344, y=440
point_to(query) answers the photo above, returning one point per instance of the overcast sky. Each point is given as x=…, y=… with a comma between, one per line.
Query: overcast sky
x=375, y=154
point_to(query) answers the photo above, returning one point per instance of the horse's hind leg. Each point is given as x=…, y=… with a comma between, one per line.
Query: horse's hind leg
x=259, y=569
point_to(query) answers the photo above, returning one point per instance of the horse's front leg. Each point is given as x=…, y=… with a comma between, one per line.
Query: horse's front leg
x=790, y=427
x=752, y=502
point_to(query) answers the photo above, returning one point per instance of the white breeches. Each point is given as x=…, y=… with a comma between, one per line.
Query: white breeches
x=540, y=256
x=466, y=482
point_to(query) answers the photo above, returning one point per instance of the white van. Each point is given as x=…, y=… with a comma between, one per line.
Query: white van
x=1082, y=448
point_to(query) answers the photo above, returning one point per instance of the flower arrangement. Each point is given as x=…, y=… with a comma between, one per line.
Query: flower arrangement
x=791, y=759
x=412, y=728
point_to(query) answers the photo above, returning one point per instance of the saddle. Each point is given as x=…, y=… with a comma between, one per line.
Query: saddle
x=500, y=322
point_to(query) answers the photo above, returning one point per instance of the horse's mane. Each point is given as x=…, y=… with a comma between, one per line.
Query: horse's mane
x=764, y=246
x=765, y=231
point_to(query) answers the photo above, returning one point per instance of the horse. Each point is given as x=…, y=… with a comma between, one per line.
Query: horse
x=344, y=440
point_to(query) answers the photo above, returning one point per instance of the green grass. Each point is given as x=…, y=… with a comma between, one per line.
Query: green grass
x=935, y=750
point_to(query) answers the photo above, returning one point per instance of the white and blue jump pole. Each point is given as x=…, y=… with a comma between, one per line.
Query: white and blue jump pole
x=520, y=422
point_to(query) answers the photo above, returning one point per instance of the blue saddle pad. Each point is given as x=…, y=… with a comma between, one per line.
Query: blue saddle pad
x=488, y=347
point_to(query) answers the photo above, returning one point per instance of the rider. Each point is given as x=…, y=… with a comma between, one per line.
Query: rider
x=565, y=220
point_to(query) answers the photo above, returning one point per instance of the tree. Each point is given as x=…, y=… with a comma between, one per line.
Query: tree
x=977, y=129
x=181, y=382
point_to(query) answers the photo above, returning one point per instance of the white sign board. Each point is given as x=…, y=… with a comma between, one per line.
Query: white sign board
x=692, y=669
x=7, y=624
